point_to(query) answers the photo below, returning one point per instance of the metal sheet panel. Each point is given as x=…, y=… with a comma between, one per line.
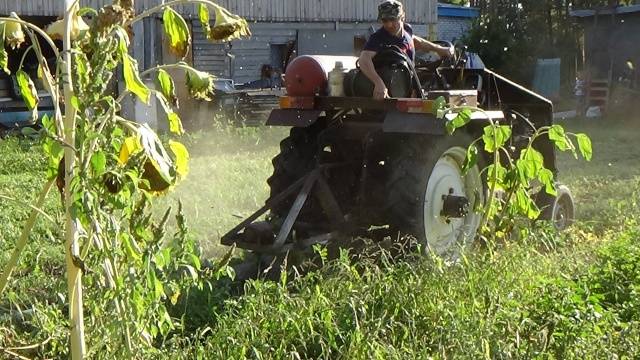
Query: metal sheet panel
x=293, y=117
x=398, y=122
x=418, y=11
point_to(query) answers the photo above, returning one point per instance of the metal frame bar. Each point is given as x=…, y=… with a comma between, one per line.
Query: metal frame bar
x=324, y=195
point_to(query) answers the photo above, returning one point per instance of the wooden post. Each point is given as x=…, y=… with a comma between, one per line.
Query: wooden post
x=74, y=274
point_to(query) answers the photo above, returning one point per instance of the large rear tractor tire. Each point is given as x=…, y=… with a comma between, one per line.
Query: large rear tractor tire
x=297, y=157
x=430, y=198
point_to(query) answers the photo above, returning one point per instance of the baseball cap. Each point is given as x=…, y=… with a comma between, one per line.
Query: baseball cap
x=389, y=9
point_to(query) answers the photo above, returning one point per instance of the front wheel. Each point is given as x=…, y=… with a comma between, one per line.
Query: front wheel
x=431, y=198
x=559, y=209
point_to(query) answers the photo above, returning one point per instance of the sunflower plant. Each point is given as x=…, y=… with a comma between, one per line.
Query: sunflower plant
x=514, y=176
x=122, y=268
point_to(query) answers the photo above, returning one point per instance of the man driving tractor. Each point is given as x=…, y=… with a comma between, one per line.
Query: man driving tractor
x=393, y=32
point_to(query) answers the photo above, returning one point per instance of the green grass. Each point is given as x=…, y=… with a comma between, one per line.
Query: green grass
x=573, y=295
x=227, y=180
x=22, y=168
x=607, y=188
x=519, y=304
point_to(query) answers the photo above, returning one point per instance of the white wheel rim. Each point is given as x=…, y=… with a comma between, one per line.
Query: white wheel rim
x=451, y=234
x=562, y=212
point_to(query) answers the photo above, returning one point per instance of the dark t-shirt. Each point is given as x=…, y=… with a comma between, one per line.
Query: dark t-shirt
x=382, y=38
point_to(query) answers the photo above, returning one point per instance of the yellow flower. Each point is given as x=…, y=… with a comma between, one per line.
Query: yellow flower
x=200, y=84
x=78, y=27
x=13, y=34
x=228, y=26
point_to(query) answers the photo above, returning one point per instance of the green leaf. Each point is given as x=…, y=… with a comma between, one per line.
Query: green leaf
x=195, y=261
x=132, y=79
x=4, y=57
x=584, y=144
x=81, y=68
x=75, y=102
x=559, y=138
x=495, y=136
x=471, y=159
x=27, y=90
x=29, y=131
x=99, y=162
x=525, y=204
x=130, y=145
x=496, y=174
x=177, y=31
x=54, y=152
x=175, y=124
x=53, y=149
x=123, y=41
x=203, y=15
x=546, y=178
x=439, y=106
x=181, y=158
x=192, y=272
x=129, y=249
x=166, y=85
x=529, y=164
x=158, y=288
x=48, y=123
x=462, y=118
x=87, y=11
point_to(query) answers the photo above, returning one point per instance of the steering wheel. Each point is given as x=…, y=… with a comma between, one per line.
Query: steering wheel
x=446, y=62
x=458, y=59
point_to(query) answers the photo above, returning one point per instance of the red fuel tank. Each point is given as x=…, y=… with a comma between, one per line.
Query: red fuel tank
x=308, y=75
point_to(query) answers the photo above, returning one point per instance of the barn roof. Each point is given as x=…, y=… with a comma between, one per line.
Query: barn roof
x=450, y=10
x=607, y=11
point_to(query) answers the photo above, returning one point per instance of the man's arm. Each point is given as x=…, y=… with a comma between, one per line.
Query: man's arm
x=425, y=46
x=366, y=65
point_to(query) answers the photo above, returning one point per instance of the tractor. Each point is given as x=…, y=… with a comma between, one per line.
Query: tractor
x=352, y=163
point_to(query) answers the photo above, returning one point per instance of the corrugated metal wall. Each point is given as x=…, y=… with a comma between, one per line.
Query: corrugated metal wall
x=418, y=11
x=243, y=59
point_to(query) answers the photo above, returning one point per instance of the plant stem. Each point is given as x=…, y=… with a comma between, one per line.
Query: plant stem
x=52, y=87
x=32, y=207
x=156, y=68
x=24, y=56
x=24, y=236
x=41, y=32
x=148, y=12
x=496, y=160
x=74, y=274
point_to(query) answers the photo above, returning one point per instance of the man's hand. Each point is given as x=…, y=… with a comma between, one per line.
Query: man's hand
x=426, y=46
x=366, y=66
x=380, y=91
x=446, y=51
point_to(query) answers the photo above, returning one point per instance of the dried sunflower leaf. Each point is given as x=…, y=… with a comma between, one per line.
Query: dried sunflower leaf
x=177, y=31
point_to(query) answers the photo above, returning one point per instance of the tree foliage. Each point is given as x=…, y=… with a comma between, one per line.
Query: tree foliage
x=510, y=35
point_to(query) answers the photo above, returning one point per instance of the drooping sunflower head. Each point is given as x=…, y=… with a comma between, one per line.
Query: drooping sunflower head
x=228, y=26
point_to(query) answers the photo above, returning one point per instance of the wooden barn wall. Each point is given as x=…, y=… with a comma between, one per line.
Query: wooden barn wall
x=418, y=11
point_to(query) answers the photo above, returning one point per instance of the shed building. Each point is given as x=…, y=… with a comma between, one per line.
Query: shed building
x=454, y=21
x=611, y=55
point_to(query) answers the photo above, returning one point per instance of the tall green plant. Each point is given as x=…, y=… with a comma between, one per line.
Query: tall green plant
x=512, y=173
x=108, y=170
